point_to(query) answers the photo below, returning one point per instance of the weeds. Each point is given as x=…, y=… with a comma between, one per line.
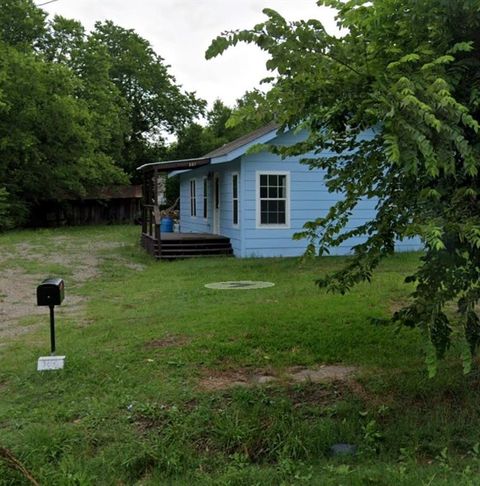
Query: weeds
x=128, y=407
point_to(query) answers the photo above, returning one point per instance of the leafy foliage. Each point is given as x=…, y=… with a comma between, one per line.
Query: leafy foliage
x=224, y=124
x=5, y=221
x=411, y=71
x=48, y=134
x=78, y=109
x=22, y=23
x=154, y=102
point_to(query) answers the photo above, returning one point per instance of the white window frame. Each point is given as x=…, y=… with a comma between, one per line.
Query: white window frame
x=193, y=198
x=286, y=225
x=205, y=198
x=237, y=224
x=216, y=209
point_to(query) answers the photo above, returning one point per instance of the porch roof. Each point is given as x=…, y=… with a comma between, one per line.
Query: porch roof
x=169, y=165
x=225, y=153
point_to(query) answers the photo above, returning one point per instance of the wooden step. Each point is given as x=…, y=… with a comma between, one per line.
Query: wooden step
x=181, y=257
x=195, y=251
x=195, y=242
x=188, y=246
x=195, y=247
x=180, y=249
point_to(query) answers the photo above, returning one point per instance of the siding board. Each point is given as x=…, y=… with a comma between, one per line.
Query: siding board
x=309, y=199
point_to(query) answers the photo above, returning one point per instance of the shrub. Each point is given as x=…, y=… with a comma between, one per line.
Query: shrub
x=5, y=220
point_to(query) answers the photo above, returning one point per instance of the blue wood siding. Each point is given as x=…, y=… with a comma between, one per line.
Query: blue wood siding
x=198, y=224
x=188, y=223
x=309, y=199
x=308, y=195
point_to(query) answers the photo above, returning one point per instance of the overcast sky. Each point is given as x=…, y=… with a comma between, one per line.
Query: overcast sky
x=181, y=30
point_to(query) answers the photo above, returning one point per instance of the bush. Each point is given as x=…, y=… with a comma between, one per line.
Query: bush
x=5, y=220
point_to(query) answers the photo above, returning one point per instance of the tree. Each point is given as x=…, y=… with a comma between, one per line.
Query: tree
x=410, y=70
x=78, y=109
x=224, y=124
x=60, y=115
x=251, y=111
x=5, y=221
x=48, y=136
x=192, y=141
x=22, y=24
x=155, y=103
x=66, y=43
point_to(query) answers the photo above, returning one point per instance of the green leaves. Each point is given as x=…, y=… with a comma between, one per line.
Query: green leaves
x=407, y=58
x=446, y=59
x=466, y=46
x=217, y=47
x=153, y=101
x=392, y=148
x=393, y=108
x=5, y=221
x=78, y=109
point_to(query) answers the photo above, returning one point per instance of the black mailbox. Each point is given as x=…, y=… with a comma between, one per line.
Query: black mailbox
x=51, y=292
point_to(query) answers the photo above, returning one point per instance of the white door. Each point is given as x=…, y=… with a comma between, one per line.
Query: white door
x=216, y=204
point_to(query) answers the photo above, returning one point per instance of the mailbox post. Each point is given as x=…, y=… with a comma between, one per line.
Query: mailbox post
x=51, y=292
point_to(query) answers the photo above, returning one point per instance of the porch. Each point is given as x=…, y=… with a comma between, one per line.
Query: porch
x=170, y=246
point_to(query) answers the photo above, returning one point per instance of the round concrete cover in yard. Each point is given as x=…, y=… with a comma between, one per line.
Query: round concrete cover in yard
x=239, y=285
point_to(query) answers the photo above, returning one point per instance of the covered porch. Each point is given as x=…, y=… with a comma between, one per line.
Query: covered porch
x=169, y=246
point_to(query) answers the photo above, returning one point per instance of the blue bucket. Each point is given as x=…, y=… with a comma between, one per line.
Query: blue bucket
x=166, y=225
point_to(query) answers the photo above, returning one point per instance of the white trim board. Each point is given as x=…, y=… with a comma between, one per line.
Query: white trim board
x=258, y=173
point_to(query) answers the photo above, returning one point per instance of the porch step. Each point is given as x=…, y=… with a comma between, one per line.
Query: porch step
x=198, y=245
x=188, y=245
x=206, y=249
x=182, y=256
x=200, y=249
x=192, y=241
x=149, y=244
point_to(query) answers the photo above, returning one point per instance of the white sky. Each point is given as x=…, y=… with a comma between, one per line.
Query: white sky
x=181, y=30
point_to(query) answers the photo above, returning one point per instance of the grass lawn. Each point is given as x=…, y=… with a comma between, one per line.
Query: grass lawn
x=148, y=394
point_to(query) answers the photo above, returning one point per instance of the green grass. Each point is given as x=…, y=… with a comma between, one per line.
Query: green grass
x=126, y=412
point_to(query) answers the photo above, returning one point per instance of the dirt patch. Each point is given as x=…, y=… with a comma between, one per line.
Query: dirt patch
x=397, y=305
x=316, y=394
x=374, y=401
x=222, y=380
x=18, y=286
x=321, y=374
x=170, y=341
x=137, y=267
x=322, y=385
x=213, y=380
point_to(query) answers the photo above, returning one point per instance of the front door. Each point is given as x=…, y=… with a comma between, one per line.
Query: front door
x=216, y=204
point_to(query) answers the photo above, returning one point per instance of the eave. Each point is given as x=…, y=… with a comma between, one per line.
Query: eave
x=170, y=165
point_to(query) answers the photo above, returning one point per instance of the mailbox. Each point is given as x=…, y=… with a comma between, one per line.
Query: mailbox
x=51, y=292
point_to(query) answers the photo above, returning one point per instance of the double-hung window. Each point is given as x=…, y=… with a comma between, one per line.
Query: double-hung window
x=193, y=198
x=235, y=206
x=273, y=201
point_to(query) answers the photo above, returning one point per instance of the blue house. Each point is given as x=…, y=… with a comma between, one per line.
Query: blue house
x=252, y=202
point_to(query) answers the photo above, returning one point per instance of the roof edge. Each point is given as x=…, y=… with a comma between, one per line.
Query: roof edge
x=180, y=164
x=244, y=140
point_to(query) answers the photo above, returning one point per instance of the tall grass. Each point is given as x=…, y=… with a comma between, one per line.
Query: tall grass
x=129, y=409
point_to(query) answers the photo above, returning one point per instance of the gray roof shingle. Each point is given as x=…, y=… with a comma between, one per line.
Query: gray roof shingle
x=241, y=141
